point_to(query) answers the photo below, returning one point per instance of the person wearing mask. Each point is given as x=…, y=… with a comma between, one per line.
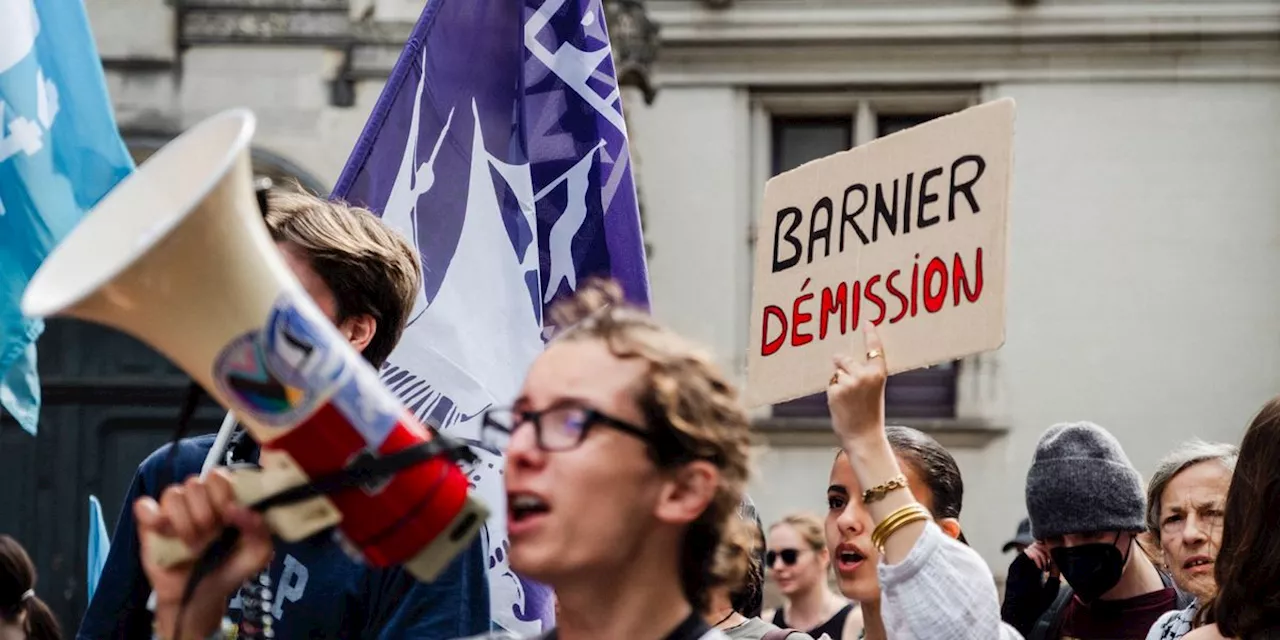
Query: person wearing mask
x=627, y=454
x=1186, y=503
x=736, y=612
x=892, y=524
x=1247, y=572
x=800, y=563
x=365, y=278
x=1087, y=510
x=23, y=615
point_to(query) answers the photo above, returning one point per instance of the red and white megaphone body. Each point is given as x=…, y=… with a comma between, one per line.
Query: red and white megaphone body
x=178, y=256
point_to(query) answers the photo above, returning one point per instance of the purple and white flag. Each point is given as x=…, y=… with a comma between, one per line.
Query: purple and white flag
x=498, y=146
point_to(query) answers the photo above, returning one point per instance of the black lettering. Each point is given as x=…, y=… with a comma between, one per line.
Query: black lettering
x=847, y=217
x=927, y=198
x=885, y=212
x=906, y=205
x=965, y=187
x=796, y=215
x=825, y=232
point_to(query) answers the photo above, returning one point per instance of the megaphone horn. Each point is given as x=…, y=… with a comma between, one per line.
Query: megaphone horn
x=178, y=256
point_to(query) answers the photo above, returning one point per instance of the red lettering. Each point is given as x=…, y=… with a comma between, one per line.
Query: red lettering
x=832, y=303
x=875, y=299
x=933, y=301
x=769, y=347
x=915, y=285
x=799, y=318
x=855, y=303
x=958, y=278
x=902, y=300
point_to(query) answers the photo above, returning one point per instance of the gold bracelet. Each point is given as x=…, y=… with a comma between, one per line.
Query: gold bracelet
x=904, y=516
x=879, y=491
x=891, y=520
x=887, y=528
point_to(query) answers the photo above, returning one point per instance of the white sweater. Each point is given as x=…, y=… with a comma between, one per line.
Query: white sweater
x=942, y=590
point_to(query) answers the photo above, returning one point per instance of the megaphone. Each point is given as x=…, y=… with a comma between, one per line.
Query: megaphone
x=178, y=256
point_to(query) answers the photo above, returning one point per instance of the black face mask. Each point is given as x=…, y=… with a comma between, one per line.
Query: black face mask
x=1090, y=569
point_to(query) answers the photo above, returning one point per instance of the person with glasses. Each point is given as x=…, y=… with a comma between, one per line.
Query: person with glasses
x=799, y=564
x=626, y=460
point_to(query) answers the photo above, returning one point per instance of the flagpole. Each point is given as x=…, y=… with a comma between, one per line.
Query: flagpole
x=219, y=444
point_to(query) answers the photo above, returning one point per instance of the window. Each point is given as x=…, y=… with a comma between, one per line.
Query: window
x=805, y=128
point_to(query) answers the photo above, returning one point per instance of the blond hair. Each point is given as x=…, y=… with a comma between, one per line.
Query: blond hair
x=370, y=268
x=693, y=413
x=806, y=525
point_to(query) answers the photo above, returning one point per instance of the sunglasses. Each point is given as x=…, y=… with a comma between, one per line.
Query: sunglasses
x=789, y=557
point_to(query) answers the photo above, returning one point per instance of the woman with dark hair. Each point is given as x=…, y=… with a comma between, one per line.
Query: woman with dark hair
x=627, y=456
x=932, y=474
x=1247, y=570
x=892, y=521
x=22, y=613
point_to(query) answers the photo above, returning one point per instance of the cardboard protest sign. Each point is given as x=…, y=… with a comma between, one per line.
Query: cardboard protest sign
x=908, y=232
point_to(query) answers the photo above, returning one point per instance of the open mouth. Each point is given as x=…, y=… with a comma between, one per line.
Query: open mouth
x=522, y=507
x=1197, y=561
x=849, y=558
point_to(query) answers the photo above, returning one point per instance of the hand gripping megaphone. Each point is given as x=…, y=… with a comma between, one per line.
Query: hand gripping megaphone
x=178, y=256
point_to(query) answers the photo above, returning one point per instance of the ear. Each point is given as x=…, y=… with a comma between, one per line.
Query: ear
x=687, y=493
x=359, y=330
x=824, y=556
x=951, y=527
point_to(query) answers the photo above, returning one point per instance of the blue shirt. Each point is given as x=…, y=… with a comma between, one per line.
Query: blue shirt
x=319, y=591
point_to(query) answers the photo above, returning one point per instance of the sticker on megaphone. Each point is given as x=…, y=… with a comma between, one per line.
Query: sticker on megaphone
x=297, y=374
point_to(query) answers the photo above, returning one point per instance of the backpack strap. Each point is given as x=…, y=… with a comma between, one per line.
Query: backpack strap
x=1050, y=622
x=777, y=634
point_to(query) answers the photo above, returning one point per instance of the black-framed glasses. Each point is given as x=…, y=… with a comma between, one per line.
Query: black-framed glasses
x=789, y=557
x=559, y=428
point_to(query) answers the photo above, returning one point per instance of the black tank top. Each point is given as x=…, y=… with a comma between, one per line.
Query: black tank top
x=834, y=626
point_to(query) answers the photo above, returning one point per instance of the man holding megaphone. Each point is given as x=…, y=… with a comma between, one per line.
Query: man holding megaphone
x=365, y=278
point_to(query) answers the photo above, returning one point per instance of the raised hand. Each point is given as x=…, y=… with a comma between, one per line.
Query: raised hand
x=856, y=393
x=196, y=512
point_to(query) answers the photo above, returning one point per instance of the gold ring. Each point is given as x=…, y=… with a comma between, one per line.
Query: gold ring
x=835, y=378
x=873, y=354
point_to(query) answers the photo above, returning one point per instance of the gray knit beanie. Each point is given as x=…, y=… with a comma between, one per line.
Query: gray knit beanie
x=1081, y=481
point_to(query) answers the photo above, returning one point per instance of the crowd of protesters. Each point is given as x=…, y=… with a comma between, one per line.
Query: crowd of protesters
x=627, y=454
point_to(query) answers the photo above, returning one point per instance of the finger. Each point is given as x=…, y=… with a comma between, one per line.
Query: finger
x=200, y=508
x=174, y=505
x=871, y=338
x=221, y=494
x=146, y=512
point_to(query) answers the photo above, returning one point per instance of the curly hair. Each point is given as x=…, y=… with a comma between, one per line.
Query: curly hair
x=692, y=411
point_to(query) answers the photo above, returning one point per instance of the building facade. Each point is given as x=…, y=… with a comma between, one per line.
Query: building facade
x=1145, y=227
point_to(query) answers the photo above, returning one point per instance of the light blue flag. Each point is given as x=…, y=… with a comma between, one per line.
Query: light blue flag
x=60, y=153
x=99, y=544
